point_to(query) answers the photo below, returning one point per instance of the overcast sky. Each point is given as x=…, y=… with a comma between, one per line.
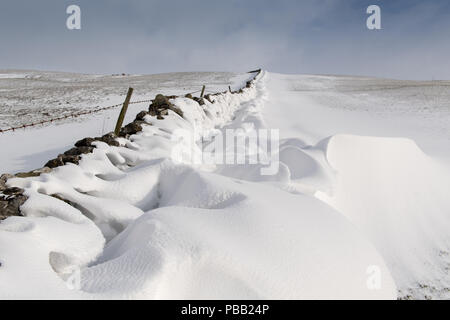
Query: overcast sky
x=291, y=36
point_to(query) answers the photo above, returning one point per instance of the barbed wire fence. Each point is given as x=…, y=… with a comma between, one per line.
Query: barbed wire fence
x=74, y=115
x=87, y=112
x=67, y=116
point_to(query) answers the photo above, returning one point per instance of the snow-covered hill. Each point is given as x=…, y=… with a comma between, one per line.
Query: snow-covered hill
x=358, y=207
x=33, y=96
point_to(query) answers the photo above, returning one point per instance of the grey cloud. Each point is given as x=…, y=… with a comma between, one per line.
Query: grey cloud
x=291, y=36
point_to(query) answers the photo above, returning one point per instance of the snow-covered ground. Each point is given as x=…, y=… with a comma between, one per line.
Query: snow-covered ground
x=359, y=207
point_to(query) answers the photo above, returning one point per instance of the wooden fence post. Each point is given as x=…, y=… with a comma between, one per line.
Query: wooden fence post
x=123, y=112
x=203, y=91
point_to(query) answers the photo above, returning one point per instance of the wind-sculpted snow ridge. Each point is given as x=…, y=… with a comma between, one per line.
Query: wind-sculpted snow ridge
x=399, y=197
x=135, y=223
x=384, y=184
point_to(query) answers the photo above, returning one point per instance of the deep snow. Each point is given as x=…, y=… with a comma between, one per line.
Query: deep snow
x=350, y=196
x=372, y=133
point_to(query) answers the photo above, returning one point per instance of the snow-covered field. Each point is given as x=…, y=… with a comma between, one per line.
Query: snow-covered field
x=32, y=96
x=359, y=207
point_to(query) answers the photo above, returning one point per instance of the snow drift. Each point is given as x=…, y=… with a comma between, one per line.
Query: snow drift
x=134, y=223
x=398, y=196
x=176, y=231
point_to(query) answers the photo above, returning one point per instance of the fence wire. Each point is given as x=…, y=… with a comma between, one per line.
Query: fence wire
x=72, y=115
x=82, y=113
